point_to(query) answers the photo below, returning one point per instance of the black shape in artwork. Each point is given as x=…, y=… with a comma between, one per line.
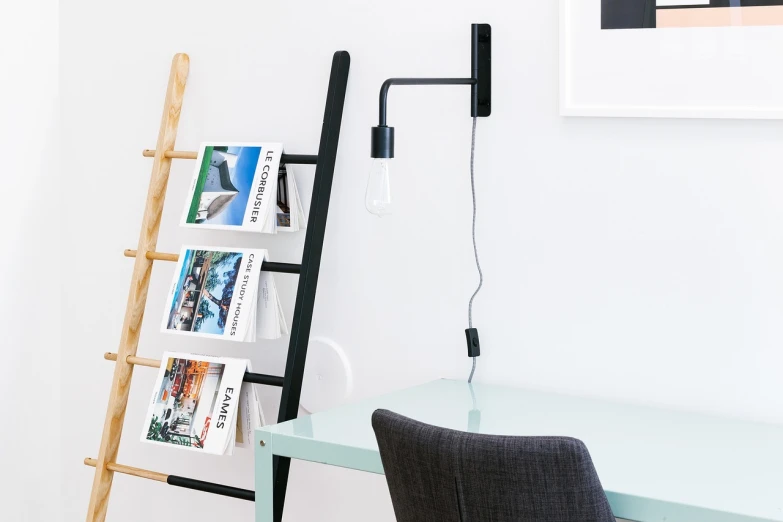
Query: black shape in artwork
x=627, y=14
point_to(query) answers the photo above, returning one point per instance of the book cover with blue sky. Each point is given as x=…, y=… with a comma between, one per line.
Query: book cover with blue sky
x=223, y=184
x=247, y=163
x=234, y=187
x=208, y=296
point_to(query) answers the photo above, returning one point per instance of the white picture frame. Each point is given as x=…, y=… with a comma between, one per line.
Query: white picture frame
x=729, y=61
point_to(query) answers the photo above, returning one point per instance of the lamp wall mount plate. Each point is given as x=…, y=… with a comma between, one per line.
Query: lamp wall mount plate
x=481, y=70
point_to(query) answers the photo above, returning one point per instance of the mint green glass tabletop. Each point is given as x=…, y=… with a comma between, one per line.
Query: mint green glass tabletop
x=655, y=464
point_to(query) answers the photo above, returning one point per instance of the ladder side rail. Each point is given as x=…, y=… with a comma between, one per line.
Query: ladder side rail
x=137, y=296
x=311, y=261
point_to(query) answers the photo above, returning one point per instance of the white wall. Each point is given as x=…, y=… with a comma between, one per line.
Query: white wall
x=29, y=264
x=632, y=259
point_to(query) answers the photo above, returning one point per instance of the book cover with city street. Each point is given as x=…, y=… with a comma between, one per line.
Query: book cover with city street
x=194, y=403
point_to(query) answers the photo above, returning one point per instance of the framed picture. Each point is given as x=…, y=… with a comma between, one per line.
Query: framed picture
x=671, y=58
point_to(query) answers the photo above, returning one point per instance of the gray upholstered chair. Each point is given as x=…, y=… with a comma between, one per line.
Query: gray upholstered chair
x=441, y=475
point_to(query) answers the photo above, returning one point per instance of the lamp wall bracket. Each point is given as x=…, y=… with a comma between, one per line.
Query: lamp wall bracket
x=481, y=70
x=480, y=82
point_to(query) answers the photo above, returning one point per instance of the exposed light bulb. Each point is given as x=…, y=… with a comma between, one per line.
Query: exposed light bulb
x=377, y=199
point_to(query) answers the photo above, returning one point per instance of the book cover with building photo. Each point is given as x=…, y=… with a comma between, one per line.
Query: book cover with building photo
x=234, y=187
x=214, y=293
x=194, y=403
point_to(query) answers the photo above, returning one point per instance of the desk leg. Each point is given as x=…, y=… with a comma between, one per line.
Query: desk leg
x=265, y=480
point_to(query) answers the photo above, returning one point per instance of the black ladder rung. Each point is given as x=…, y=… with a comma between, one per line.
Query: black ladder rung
x=260, y=378
x=299, y=159
x=174, y=480
x=211, y=487
x=283, y=268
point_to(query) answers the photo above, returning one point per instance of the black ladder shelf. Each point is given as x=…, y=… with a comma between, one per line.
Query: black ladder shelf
x=291, y=381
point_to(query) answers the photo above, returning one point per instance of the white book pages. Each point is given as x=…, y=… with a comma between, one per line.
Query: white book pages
x=270, y=223
x=292, y=191
x=281, y=315
x=269, y=310
x=232, y=437
x=249, y=415
x=300, y=214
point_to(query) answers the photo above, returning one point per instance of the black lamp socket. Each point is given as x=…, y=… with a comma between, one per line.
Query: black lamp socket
x=382, y=142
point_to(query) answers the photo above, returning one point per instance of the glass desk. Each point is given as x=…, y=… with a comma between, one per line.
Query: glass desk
x=655, y=464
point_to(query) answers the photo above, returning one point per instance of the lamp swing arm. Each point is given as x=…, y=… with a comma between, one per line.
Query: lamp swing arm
x=480, y=81
x=384, y=96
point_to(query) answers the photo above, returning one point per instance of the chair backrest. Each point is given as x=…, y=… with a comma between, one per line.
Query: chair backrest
x=441, y=475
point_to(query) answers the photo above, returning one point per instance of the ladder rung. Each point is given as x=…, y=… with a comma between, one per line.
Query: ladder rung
x=174, y=480
x=266, y=266
x=255, y=378
x=171, y=154
x=299, y=159
x=260, y=378
x=293, y=159
x=211, y=487
x=281, y=268
x=128, y=470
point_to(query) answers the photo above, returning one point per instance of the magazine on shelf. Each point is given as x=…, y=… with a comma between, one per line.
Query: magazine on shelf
x=272, y=324
x=242, y=186
x=201, y=403
x=222, y=293
x=290, y=216
x=249, y=416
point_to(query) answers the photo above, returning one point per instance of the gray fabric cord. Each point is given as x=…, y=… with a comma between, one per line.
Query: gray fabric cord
x=472, y=371
x=475, y=249
x=441, y=475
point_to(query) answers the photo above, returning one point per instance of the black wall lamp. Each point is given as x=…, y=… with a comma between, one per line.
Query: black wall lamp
x=378, y=195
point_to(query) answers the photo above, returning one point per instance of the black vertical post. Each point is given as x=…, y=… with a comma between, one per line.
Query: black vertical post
x=481, y=70
x=311, y=261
